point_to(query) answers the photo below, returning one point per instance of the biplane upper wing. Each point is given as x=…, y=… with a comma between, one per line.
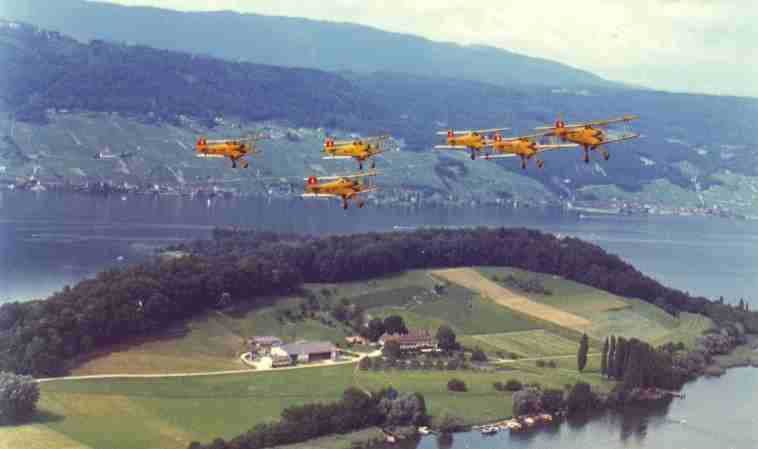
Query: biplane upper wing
x=625, y=118
x=469, y=131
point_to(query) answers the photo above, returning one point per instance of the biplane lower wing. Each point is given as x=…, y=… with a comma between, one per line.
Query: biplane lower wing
x=331, y=158
x=555, y=146
x=208, y=155
x=499, y=156
x=452, y=147
x=621, y=138
x=319, y=195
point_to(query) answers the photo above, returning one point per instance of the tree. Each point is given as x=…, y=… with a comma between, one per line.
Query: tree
x=374, y=330
x=620, y=358
x=610, y=370
x=581, y=398
x=449, y=424
x=18, y=398
x=478, y=355
x=552, y=400
x=604, y=357
x=394, y=324
x=581, y=356
x=456, y=385
x=526, y=401
x=446, y=338
x=513, y=385
x=391, y=350
x=405, y=409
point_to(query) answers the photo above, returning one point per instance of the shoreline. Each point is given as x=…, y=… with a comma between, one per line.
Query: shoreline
x=564, y=206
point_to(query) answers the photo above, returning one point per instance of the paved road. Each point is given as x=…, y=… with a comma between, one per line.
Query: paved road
x=208, y=373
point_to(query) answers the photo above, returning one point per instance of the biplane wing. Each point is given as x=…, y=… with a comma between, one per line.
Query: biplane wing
x=332, y=195
x=555, y=146
x=451, y=147
x=469, y=131
x=625, y=118
x=209, y=155
x=350, y=176
x=361, y=139
x=621, y=138
x=499, y=156
x=337, y=157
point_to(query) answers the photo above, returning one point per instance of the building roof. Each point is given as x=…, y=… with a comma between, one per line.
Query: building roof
x=308, y=347
x=423, y=336
x=266, y=339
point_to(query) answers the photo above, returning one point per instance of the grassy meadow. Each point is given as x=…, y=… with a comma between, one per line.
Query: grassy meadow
x=169, y=413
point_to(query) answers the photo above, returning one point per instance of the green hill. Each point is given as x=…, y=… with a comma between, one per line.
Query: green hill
x=172, y=412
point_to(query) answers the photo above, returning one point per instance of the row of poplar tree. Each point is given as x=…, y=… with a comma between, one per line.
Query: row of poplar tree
x=639, y=365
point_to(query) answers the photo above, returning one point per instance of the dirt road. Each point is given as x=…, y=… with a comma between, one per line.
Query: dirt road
x=472, y=280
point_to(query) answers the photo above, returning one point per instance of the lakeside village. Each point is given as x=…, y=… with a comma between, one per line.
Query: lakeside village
x=405, y=197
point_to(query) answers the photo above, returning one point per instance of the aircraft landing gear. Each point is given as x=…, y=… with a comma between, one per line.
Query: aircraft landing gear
x=234, y=163
x=523, y=163
x=245, y=164
x=540, y=163
x=586, y=156
x=606, y=155
x=361, y=204
x=373, y=165
x=344, y=203
x=360, y=166
x=473, y=155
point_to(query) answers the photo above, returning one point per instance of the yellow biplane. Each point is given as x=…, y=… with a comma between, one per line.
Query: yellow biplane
x=471, y=140
x=589, y=135
x=359, y=149
x=346, y=187
x=234, y=149
x=525, y=147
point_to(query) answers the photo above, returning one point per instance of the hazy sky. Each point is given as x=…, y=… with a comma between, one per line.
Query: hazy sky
x=678, y=45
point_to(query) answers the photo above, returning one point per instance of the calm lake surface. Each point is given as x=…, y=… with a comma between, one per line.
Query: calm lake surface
x=48, y=240
x=716, y=414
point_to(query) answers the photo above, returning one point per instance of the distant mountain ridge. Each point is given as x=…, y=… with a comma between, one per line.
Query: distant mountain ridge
x=691, y=143
x=296, y=42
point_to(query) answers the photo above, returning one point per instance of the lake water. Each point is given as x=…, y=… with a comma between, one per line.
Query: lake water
x=48, y=240
x=716, y=413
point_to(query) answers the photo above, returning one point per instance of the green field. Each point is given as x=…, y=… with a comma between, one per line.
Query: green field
x=610, y=314
x=171, y=412
x=535, y=343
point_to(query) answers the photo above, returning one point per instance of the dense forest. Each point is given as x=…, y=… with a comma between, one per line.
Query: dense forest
x=43, y=69
x=43, y=337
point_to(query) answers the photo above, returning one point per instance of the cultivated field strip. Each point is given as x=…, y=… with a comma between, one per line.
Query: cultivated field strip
x=535, y=343
x=472, y=280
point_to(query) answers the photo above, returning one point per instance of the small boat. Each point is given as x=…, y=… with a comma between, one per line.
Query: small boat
x=489, y=430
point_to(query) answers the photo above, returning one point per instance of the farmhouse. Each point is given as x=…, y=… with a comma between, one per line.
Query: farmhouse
x=416, y=340
x=305, y=351
x=262, y=345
